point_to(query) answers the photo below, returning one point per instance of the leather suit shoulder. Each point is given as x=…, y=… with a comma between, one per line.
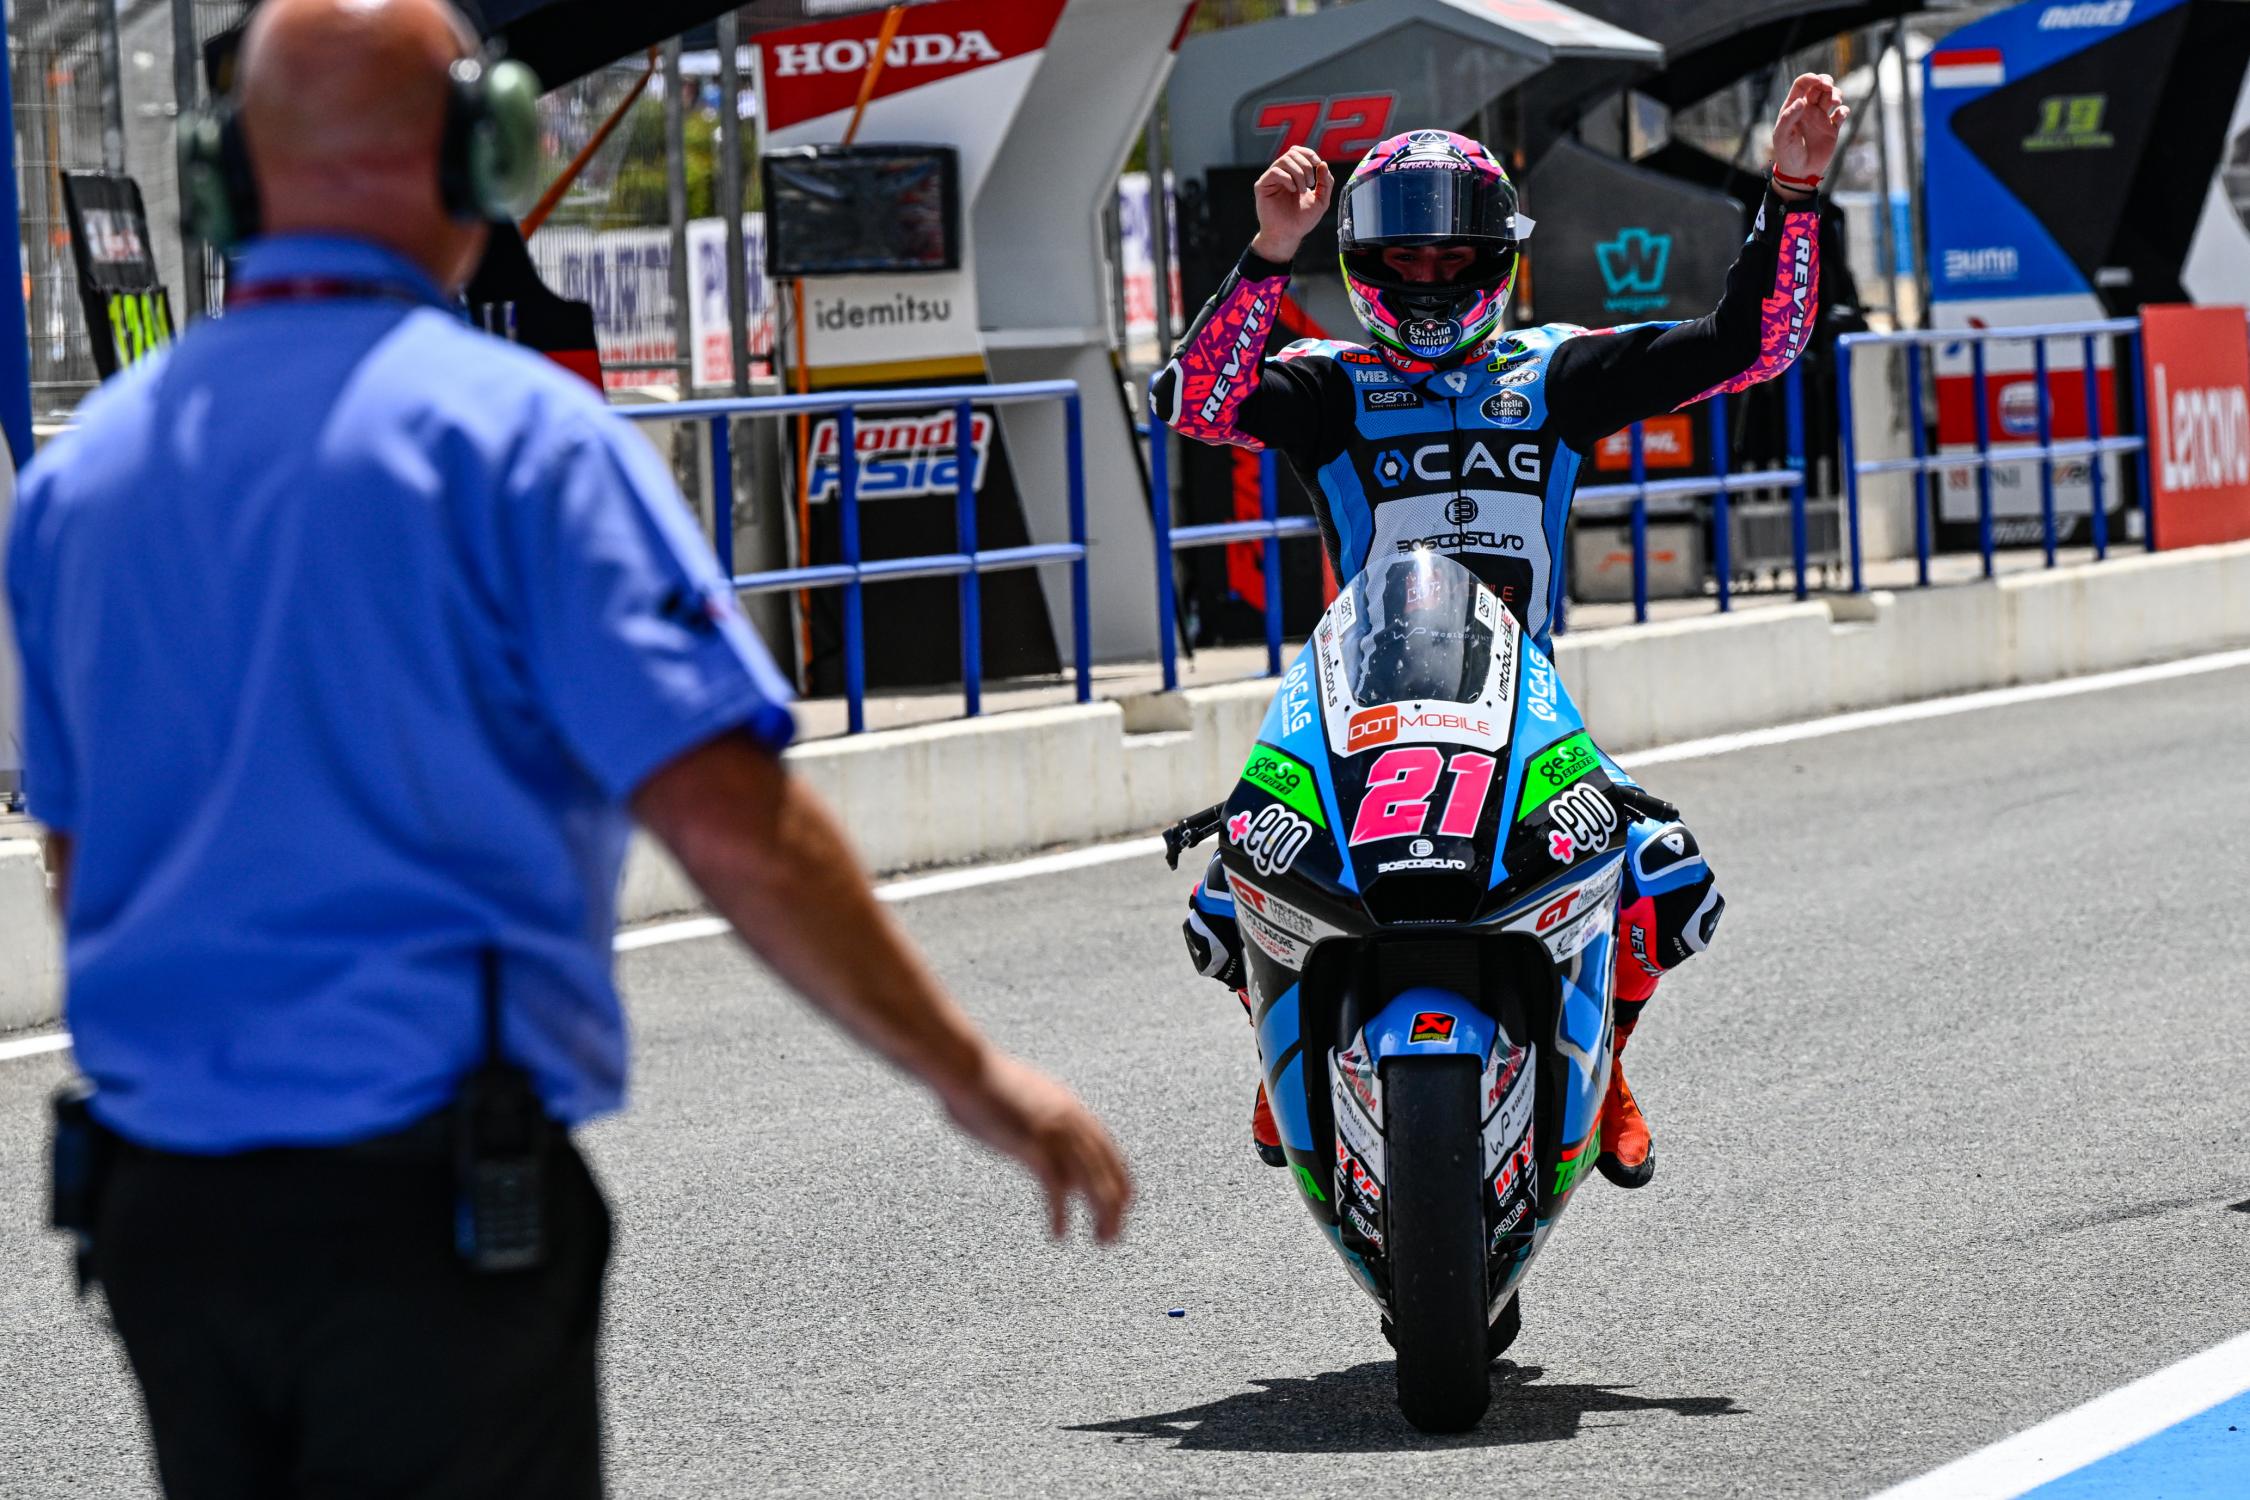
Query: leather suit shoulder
x=1335, y=349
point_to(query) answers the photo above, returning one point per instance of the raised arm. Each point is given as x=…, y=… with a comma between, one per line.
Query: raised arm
x=1600, y=382
x=1219, y=387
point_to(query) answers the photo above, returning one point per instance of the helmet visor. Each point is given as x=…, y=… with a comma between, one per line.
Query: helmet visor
x=1429, y=205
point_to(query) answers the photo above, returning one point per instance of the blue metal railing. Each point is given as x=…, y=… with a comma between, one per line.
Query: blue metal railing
x=967, y=563
x=1270, y=527
x=1721, y=486
x=2044, y=450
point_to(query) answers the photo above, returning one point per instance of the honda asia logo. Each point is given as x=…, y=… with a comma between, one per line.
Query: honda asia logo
x=1246, y=343
x=852, y=54
x=1434, y=462
x=900, y=456
x=1379, y=726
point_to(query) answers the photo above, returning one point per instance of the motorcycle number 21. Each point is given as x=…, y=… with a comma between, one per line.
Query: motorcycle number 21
x=1399, y=788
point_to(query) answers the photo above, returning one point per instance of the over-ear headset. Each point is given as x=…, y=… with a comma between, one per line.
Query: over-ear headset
x=488, y=155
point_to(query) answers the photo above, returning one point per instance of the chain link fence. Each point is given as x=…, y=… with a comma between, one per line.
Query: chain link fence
x=55, y=60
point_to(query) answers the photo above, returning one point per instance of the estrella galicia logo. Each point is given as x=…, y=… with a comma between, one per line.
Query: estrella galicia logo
x=1507, y=408
x=1430, y=335
x=1390, y=467
x=1460, y=510
x=1633, y=267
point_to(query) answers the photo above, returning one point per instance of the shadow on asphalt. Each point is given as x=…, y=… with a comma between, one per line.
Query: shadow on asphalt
x=1356, y=1411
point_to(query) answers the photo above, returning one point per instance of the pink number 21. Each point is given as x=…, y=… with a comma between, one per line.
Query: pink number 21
x=1397, y=804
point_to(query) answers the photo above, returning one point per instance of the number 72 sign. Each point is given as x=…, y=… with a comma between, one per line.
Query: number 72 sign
x=1343, y=128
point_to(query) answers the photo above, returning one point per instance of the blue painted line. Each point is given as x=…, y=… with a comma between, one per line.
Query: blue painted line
x=2208, y=1455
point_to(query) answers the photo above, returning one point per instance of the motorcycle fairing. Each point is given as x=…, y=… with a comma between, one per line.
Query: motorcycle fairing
x=1424, y=1021
x=1349, y=963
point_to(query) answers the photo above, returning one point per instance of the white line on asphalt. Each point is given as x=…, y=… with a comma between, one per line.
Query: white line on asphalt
x=690, y=928
x=1934, y=708
x=2086, y=1434
x=921, y=885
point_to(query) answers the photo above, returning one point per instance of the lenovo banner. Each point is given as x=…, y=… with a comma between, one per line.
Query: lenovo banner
x=2198, y=370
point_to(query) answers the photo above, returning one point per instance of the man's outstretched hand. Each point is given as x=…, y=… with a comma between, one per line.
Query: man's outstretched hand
x=1804, y=133
x=772, y=858
x=1292, y=194
x=1019, y=1111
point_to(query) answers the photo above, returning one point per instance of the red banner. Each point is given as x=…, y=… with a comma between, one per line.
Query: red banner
x=809, y=71
x=2198, y=369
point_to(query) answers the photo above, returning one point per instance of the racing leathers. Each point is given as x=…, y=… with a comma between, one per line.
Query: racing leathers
x=1479, y=462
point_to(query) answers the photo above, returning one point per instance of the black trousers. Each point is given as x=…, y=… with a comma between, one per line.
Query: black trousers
x=301, y=1327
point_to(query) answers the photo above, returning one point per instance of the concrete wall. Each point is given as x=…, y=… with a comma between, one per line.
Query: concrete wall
x=989, y=787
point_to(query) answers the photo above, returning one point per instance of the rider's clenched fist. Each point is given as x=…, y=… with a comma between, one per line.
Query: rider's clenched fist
x=1292, y=195
x=1804, y=134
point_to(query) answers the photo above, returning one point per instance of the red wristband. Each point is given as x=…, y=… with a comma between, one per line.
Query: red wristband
x=1802, y=184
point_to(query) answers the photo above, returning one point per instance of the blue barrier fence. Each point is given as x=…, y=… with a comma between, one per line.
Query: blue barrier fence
x=967, y=563
x=2094, y=447
x=1272, y=528
x=1720, y=485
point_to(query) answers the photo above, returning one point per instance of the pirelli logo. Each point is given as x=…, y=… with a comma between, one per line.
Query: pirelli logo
x=1246, y=344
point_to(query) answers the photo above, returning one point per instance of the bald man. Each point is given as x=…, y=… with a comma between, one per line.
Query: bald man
x=350, y=638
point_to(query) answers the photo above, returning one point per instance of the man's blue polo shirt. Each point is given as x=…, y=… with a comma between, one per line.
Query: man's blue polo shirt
x=346, y=631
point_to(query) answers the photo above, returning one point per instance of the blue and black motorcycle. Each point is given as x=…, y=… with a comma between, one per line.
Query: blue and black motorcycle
x=1425, y=853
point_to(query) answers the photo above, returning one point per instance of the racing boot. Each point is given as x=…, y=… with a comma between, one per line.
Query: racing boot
x=1264, y=1134
x=1628, y=1157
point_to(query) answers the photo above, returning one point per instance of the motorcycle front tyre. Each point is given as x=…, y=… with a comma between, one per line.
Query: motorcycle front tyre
x=1435, y=1240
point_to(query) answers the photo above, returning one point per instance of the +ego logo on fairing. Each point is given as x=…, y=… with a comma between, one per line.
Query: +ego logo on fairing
x=1434, y=462
x=1273, y=837
x=1583, y=822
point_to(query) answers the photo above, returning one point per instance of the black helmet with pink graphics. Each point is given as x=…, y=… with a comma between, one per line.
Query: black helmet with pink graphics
x=1428, y=233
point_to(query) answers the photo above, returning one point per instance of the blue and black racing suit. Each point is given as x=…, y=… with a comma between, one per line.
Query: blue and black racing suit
x=1479, y=462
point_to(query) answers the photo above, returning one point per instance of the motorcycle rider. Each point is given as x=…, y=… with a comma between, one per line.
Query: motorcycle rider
x=1447, y=434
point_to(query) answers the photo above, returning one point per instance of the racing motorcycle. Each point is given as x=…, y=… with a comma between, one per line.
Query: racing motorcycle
x=1426, y=853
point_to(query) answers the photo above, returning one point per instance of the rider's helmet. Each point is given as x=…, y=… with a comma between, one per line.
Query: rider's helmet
x=1430, y=188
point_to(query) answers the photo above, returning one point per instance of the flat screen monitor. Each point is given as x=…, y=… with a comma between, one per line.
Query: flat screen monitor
x=856, y=210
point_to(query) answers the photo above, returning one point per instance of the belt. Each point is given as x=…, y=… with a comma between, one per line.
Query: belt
x=429, y=1139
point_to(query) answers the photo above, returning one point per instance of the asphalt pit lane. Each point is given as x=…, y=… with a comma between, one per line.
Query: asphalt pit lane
x=1356, y=1411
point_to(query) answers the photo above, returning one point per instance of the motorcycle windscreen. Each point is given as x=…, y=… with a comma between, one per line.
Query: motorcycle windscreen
x=1419, y=663
x=1416, y=633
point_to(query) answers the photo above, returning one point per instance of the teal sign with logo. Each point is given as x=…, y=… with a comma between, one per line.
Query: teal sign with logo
x=1633, y=267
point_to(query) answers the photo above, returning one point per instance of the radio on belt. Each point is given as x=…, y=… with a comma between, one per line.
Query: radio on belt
x=501, y=1137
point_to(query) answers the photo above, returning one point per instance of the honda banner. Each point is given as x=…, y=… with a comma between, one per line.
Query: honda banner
x=955, y=73
x=2198, y=370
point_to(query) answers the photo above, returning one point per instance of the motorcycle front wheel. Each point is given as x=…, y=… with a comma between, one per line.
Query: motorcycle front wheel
x=1435, y=1240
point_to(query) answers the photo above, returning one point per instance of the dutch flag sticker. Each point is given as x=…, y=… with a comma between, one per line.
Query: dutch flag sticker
x=1967, y=68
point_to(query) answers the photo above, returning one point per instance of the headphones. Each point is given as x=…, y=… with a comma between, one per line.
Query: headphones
x=488, y=155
